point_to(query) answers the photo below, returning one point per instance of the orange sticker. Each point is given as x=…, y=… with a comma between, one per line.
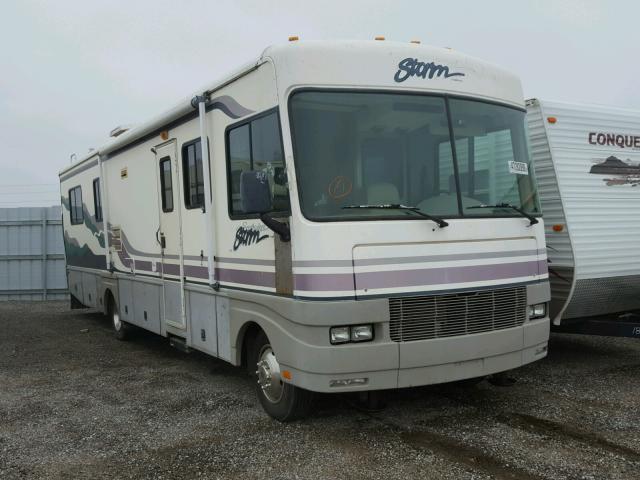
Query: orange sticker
x=340, y=187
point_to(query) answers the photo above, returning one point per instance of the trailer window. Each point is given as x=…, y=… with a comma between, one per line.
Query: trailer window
x=166, y=185
x=75, y=205
x=257, y=145
x=97, y=201
x=192, y=173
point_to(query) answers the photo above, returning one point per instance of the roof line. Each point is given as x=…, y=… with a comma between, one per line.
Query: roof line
x=182, y=108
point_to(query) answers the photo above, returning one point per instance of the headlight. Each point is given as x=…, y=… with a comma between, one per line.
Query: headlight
x=354, y=333
x=340, y=335
x=361, y=333
x=537, y=311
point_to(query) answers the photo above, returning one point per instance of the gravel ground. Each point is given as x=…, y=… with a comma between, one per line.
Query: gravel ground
x=77, y=403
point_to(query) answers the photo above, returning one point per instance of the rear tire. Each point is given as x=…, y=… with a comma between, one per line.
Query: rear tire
x=281, y=400
x=121, y=328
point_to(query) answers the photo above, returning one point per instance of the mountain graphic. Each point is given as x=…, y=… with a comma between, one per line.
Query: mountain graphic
x=615, y=166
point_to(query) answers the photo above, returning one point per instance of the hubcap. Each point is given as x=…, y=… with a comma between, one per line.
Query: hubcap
x=269, y=377
x=116, y=321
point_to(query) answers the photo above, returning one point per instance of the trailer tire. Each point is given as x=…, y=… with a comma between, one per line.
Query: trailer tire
x=121, y=328
x=281, y=400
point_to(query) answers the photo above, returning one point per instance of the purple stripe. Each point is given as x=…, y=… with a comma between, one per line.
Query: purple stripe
x=143, y=265
x=323, y=282
x=262, y=279
x=196, y=271
x=412, y=278
x=447, y=275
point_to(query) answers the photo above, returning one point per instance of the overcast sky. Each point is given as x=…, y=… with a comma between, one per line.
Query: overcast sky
x=73, y=70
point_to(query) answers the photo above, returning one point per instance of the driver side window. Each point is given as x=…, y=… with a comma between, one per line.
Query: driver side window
x=256, y=145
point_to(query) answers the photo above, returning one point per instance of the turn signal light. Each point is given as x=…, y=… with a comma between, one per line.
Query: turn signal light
x=558, y=227
x=552, y=119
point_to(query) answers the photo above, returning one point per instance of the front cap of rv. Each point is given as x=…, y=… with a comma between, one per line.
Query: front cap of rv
x=390, y=65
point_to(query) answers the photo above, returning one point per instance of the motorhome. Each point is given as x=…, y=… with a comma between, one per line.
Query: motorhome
x=335, y=216
x=587, y=163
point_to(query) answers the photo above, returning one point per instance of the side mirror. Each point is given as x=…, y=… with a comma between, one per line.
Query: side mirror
x=255, y=192
x=256, y=198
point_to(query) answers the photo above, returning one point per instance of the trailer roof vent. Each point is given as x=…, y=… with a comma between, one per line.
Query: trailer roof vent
x=119, y=130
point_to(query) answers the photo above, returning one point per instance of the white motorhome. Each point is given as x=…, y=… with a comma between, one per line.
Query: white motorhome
x=587, y=163
x=339, y=216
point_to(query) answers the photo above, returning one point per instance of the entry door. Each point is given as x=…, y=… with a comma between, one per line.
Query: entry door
x=169, y=234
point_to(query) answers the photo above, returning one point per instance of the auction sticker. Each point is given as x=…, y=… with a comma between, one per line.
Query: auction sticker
x=519, y=168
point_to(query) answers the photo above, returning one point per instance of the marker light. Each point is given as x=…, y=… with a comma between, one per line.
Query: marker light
x=414, y=41
x=286, y=374
x=552, y=120
x=294, y=38
x=164, y=135
x=558, y=227
x=380, y=37
x=537, y=311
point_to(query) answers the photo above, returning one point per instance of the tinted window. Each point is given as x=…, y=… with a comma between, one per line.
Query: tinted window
x=360, y=154
x=490, y=140
x=193, y=176
x=75, y=205
x=257, y=145
x=356, y=149
x=166, y=185
x=97, y=201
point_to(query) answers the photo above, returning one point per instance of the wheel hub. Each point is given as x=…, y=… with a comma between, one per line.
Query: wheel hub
x=269, y=377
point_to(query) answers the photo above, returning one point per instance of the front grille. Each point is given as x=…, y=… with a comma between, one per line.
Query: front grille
x=455, y=314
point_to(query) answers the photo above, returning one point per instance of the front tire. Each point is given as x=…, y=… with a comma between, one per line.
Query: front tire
x=281, y=400
x=121, y=328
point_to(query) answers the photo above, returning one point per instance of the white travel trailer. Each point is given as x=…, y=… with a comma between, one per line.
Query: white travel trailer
x=339, y=216
x=587, y=163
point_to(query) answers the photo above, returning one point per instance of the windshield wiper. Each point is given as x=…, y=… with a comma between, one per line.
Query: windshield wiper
x=396, y=206
x=532, y=220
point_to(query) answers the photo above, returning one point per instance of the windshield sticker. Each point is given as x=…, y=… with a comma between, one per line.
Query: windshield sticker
x=249, y=235
x=340, y=187
x=410, y=67
x=518, y=168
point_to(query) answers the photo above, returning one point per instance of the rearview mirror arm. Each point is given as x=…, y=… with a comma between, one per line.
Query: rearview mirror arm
x=278, y=227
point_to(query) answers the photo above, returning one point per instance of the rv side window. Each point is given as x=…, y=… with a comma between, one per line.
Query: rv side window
x=257, y=145
x=166, y=185
x=97, y=201
x=192, y=173
x=75, y=205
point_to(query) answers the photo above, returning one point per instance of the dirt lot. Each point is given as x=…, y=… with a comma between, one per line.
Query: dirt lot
x=76, y=403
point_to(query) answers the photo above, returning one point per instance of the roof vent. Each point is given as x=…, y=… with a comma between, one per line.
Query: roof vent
x=119, y=130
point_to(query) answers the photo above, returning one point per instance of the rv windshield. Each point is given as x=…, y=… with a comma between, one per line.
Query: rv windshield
x=358, y=148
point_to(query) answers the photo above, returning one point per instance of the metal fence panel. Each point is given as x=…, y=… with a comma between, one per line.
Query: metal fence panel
x=32, y=262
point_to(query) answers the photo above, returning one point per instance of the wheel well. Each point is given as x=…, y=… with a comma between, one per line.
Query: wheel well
x=248, y=333
x=108, y=298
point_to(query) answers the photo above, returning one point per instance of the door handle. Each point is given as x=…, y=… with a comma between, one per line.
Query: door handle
x=160, y=238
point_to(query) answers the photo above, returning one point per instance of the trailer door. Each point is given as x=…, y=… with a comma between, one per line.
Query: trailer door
x=169, y=234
